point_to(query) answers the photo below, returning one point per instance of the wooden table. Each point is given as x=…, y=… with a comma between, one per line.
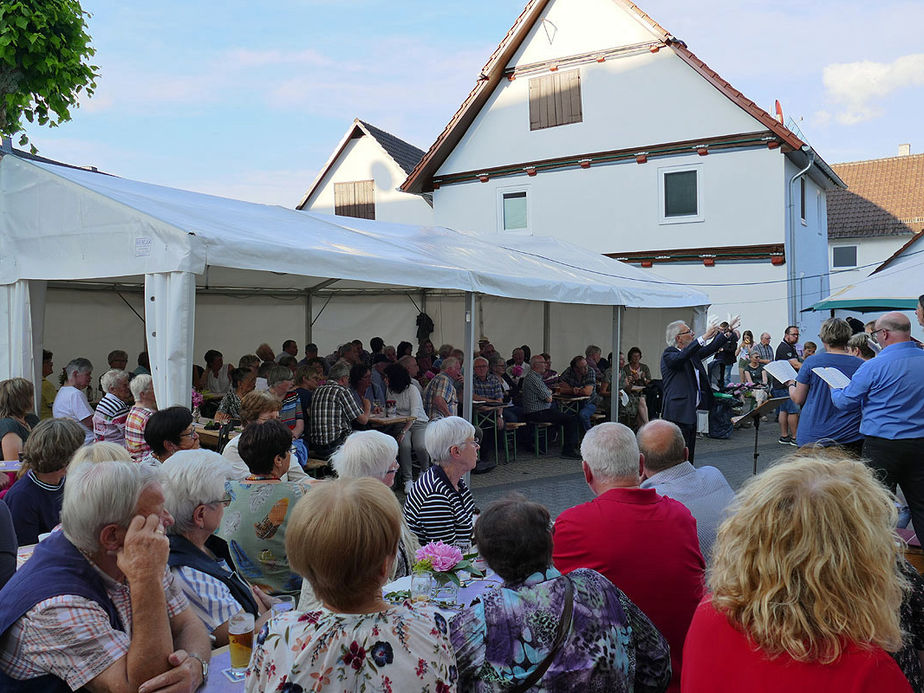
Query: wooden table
x=570, y=404
x=207, y=438
x=379, y=421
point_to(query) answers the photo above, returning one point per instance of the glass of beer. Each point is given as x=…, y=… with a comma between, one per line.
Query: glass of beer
x=240, y=640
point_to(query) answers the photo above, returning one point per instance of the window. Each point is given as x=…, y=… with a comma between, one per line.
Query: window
x=513, y=209
x=845, y=256
x=802, y=199
x=681, y=194
x=555, y=99
x=356, y=199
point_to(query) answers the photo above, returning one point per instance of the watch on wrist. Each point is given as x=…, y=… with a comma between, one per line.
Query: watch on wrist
x=205, y=665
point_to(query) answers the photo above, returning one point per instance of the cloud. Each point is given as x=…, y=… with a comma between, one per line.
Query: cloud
x=859, y=87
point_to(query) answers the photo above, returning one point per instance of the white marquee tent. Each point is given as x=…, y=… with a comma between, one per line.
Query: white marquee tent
x=61, y=224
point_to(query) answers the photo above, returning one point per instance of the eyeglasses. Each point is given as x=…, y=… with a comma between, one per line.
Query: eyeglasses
x=681, y=334
x=392, y=470
x=226, y=501
x=469, y=442
x=881, y=329
x=189, y=434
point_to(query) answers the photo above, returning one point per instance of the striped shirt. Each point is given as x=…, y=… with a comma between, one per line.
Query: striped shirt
x=209, y=598
x=435, y=511
x=134, y=432
x=333, y=411
x=109, y=419
x=71, y=637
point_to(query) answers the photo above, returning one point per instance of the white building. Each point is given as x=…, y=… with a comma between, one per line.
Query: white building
x=590, y=122
x=879, y=212
x=362, y=179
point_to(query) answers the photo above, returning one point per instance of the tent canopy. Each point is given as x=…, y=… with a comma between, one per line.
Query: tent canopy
x=65, y=224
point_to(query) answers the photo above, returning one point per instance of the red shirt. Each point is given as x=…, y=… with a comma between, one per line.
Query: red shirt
x=719, y=658
x=646, y=545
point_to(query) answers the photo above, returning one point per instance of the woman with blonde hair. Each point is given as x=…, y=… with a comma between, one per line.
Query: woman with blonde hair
x=805, y=586
x=343, y=536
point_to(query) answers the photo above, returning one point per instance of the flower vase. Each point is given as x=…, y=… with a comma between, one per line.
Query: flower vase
x=422, y=586
x=444, y=591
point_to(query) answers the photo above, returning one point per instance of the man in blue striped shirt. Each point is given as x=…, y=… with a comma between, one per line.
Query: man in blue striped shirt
x=889, y=391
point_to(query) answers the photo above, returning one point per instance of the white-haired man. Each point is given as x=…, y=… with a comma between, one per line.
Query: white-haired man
x=889, y=392
x=112, y=411
x=333, y=411
x=644, y=543
x=684, y=380
x=666, y=469
x=95, y=606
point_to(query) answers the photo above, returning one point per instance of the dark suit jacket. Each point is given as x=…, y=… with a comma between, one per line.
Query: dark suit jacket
x=679, y=381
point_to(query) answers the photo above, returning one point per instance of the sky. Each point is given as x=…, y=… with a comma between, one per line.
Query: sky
x=248, y=100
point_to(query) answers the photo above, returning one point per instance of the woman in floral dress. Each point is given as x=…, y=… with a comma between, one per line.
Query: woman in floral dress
x=342, y=537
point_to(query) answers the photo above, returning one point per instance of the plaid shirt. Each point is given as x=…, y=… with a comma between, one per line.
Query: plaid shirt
x=134, y=432
x=489, y=388
x=535, y=393
x=765, y=351
x=441, y=386
x=333, y=411
x=571, y=377
x=71, y=637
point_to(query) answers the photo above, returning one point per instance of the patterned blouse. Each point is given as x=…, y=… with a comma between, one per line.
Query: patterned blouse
x=612, y=646
x=404, y=649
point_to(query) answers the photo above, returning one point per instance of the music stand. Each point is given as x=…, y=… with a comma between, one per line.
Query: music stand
x=755, y=414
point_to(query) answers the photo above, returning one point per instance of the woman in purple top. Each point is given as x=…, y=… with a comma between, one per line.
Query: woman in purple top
x=821, y=422
x=500, y=640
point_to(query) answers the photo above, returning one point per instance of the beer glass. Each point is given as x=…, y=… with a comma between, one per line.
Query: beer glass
x=240, y=640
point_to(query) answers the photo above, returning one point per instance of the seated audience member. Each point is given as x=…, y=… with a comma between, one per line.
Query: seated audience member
x=413, y=370
x=194, y=489
x=100, y=452
x=594, y=356
x=644, y=543
x=17, y=400
x=859, y=345
x=112, y=410
x=281, y=381
x=265, y=353
x=167, y=431
x=243, y=380
x=249, y=361
x=95, y=605
x=379, y=362
x=144, y=365
x=254, y=524
x=35, y=500
x=814, y=536
x=333, y=412
x=391, y=353
x=537, y=407
x=444, y=352
x=118, y=361
x=608, y=643
x=306, y=382
x=49, y=391
x=579, y=381
x=262, y=370
x=486, y=386
x=440, y=506
x=809, y=349
x=361, y=385
x=373, y=454
x=440, y=397
x=518, y=366
x=311, y=352
x=426, y=354
x=498, y=368
x=376, y=346
x=289, y=348
x=71, y=401
x=414, y=436
x=665, y=468
x=289, y=362
x=198, y=377
x=636, y=374
x=821, y=422
x=551, y=377
x=217, y=374
x=8, y=545
x=257, y=407
x=342, y=538
x=142, y=387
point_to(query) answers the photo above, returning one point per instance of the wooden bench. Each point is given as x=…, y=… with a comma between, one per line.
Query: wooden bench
x=510, y=435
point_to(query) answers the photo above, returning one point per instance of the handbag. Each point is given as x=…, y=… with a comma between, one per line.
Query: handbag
x=564, y=627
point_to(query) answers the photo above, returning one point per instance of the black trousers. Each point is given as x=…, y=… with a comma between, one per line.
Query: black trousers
x=689, y=437
x=570, y=422
x=900, y=462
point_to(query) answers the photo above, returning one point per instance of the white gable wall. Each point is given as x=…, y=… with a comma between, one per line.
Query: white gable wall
x=871, y=252
x=364, y=159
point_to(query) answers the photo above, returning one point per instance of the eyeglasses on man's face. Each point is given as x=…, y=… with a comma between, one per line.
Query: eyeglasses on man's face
x=191, y=433
x=226, y=501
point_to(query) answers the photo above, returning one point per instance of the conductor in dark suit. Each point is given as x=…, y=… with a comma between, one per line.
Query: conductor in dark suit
x=684, y=380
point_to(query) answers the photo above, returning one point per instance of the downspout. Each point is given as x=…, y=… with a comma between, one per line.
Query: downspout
x=791, y=239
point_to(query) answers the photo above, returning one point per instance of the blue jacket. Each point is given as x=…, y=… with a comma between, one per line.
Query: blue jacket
x=679, y=381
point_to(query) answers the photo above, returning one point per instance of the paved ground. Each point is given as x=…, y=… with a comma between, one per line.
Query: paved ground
x=558, y=483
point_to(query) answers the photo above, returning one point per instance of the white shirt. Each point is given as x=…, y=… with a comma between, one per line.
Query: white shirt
x=71, y=403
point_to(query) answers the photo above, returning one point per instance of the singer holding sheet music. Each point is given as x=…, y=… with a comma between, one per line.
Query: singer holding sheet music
x=821, y=422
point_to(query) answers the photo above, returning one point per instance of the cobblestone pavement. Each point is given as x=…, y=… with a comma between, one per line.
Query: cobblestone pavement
x=558, y=483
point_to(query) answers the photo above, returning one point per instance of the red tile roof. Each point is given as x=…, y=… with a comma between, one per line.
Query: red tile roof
x=885, y=197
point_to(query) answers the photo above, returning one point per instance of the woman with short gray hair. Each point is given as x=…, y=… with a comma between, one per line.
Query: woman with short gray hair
x=142, y=388
x=195, y=494
x=440, y=506
x=821, y=422
x=71, y=400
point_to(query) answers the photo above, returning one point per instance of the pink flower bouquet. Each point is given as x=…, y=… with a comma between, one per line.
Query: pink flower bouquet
x=197, y=399
x=444, y=562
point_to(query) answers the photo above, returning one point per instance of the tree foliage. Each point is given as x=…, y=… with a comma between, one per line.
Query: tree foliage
x=44, y=63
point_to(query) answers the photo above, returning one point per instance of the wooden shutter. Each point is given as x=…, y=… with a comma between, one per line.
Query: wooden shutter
x=355, y=199
x=555, y=99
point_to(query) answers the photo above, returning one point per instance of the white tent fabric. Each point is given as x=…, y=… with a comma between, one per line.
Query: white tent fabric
x=60, y=223
x=22, y=306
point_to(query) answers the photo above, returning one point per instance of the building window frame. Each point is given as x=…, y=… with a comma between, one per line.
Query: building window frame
x=502, y=194
x=555, y=99
x=349, y=199
x=663, y=173
x=842, y=265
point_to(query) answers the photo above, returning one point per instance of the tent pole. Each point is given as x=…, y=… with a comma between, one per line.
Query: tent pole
x=546, y=327
x=308, y=311
x=614, y=365
x=469, y=348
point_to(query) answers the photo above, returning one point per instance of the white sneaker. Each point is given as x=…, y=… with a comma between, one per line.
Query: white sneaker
x=408, y=485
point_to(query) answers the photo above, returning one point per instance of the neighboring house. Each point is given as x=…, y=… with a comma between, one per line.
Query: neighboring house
x=878, y=213
x=362, y=176
x=590, y=122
